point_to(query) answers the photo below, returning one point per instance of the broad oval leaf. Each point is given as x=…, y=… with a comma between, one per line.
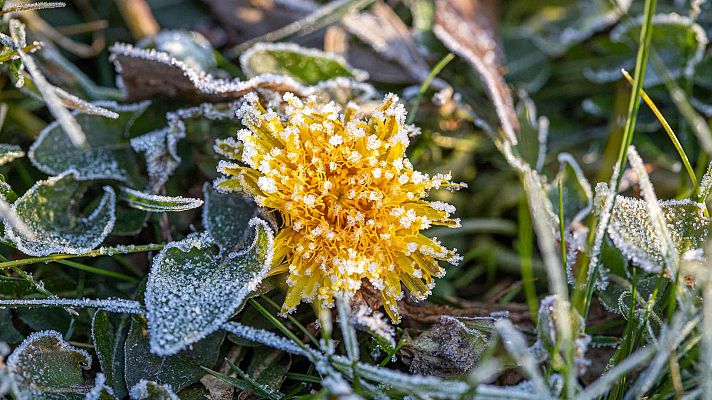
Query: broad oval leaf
x=179, y=370
x=632, y=232
x=10, y=152
x=155, y=203
x=47, y=209
x=679, y=43
x=308, y=66
x=193, y=288
x=44, y=366
x=556, y=29
x=149, y=390
x=108, y=155
x=226, y=215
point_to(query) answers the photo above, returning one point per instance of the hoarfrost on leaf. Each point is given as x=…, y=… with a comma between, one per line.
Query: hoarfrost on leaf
x=225, y=216
x=9, y=152
x=155, y=203
x=179, y=370
x=577, y=192
x=193, y=287
x=107, y=154
x=48, y=210
x=308, y=66
x=160, y=146
x=632, y=231
x=44, y=366
x=149, y=390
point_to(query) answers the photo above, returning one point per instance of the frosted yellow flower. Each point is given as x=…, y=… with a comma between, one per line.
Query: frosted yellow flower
x=351, y=204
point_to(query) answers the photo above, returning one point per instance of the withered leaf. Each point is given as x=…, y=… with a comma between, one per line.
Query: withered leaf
x=467, y=28
x=147, y=74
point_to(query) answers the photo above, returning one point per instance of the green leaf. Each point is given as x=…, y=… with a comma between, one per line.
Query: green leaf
x=108, y=156
x=108, y=344
x=8, y=333
x=49, y=211
x=10, y=152
x=556, y=29
x=155, y=203
x=226, y=217
x=149, y=390
x=678, y=42
x=193, y=287
x=270, y=368
x=179, y=371
x=44, y=366
x=632, y=232
x=6, y=192
x=308, y=66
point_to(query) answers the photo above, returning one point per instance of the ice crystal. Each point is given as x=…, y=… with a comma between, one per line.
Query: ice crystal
x=100, y=390
x=353, y=207
x=632, y=229
x=193, y=288
x=9, y=152
x=110, y=304
x=44, y=210
x=145, y=390
x=155, y=203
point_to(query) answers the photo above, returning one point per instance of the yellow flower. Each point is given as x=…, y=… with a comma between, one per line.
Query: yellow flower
x=351, y=204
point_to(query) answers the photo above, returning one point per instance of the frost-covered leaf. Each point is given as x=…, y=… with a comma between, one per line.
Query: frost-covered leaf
x=100, y=391
x=194, y=288
x=192, y=48
x=467, y=30
x=149, y=390
x=107, y=156
x=577, y=192
x=449, y=348
x=155, y=203
x=147, y=73
x=6, y=192
x=179, y=371
x=226, y=217
x=632, y=230
x=9, y=152
x=49, y=211
x=308, y=66
x=44, y=366
x=556, y=30
x=678, y=41
x=160, y=146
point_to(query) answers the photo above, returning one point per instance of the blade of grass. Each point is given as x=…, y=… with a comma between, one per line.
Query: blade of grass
x=526, y=251
x=98, y=271
x=426, y=83
x=589, y=274
x=668, y=130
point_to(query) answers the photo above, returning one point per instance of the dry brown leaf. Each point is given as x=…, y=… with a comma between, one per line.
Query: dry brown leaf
x=383, y=30
x=467, y=28
x=147, y=74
